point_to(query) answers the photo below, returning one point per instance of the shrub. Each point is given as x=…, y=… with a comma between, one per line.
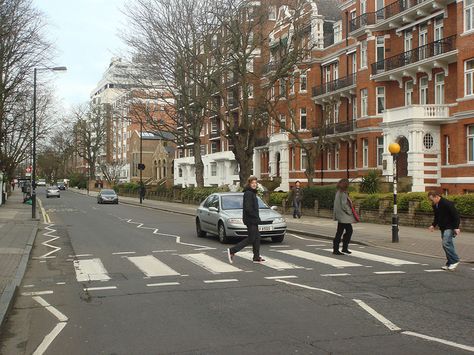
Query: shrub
x=403, y=199
x=371, y=182
x=78, y=180
x=276, y=198
x=465, y=204
x=324, y=194
x=371, y=202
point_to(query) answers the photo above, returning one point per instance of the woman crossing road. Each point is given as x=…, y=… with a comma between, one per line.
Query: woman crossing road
x=345, y=215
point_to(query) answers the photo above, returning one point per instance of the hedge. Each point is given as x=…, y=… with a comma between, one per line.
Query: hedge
x=276, y=198
x=201, y=193
x=324, y=194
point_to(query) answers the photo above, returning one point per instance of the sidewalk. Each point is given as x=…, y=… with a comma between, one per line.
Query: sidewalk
x=411, y=240
x=17, y=235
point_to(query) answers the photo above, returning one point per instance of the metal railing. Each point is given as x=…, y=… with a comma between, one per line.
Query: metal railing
x=334, y=85
x=429, y=50
x=334, y=128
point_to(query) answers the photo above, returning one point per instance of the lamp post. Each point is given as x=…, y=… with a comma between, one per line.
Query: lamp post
x=33, y=173
x=141, y=161
x=394, y=149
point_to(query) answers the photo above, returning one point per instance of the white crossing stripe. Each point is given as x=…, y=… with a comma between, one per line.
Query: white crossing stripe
x=281, y=277
x=219, y=281
x=210, y=263
x=345, y=274
x=318, y=258
x=151, y=266
x=272, y=263
x=379, y=258
x=435, y=270
x=100, y=288
x=388, y=272
x=163, y=284
x=90, y=270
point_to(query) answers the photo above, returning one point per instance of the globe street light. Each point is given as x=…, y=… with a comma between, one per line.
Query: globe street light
x=394, y=149
x=33, y=173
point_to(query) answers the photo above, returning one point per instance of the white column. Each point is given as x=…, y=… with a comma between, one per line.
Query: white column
x=273, y=162
x=257, y=163
x=388, y=171
x=227, y=173
x=285, y=167
x=416, y=159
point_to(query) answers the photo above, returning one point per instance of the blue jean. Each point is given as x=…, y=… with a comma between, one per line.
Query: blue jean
x=447, y=237
x=297, y=208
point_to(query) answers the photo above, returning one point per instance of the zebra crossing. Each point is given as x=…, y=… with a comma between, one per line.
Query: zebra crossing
x=90, y=268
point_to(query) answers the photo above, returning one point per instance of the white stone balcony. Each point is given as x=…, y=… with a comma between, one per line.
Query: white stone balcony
x=417, y=113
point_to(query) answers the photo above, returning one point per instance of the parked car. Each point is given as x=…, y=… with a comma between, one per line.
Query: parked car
x=41, y=182
x=221, y=214
x=61, y=186
x=107, y=196
x=52, y=191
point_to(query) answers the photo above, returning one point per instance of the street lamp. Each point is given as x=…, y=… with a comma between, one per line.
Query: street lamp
x=33, y=173
x=394, y=149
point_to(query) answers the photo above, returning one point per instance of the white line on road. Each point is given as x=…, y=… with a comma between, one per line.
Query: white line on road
x=219, y=281
x=316, y=245
x=53, y=238
x=151, y=266
x=54, y=311
x=28, y=286
x=297, y=236
x=164, y=284
x=37, y=293
x=165, y=251
x=80, y=255
x=442, y=341
x=309, y=287
x=60, y=283
x=281, y=277
x=271, y=263
x=100, y=288
x=90, y=270
x=124, y=253
x=336, y=262
x=377, y=315
x=280, y=246
x=435, y=270
x=210, y=263
x=49, y=338
x=379, y=258
x=344, y=274
x=388, y=272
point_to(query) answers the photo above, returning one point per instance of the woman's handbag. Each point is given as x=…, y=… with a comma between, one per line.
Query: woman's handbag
x=354, y=212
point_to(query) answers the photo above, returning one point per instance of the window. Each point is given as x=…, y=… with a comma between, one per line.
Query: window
x=282, y=123
x=180, y=172
x=379, y=151
x=336, y=158
x=214, y=148
x=365, y=153
x=303, y=160
x=354, y=63
x=363, y=102
x=249, y=65
x=203, y=149
x=250, y=91
x=354, y=108
x=293, y=159
x=190, y=152
x=363, y=7
x=439, y=89
x=272, y=12
x=303, y=118
x=335, y=71
x=428, y=141
x=438, y=35
x=446, y=150
x=409, y=93
x=329, y=160
x=303, y=81
x=327, y=76
x=337, y=27
x=380, y=52
x=424, y=90
x=470, y=143
x=422, y=42
x=292, y=84
x=468, y=15
x=282, y=88
x=355, y=155
x=380, y=99
x=363, y=54
x=469, y=77
x=213, y=169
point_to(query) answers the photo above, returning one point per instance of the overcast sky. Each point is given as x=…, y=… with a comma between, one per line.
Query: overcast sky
x=85, y=33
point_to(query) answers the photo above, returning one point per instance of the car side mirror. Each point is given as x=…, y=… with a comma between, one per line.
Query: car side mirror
x=213, y=209
x=274, y=208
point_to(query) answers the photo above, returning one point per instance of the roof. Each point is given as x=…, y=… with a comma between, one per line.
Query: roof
x=159, y=135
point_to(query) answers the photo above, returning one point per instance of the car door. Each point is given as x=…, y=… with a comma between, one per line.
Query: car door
x=203, y=213
x=214, y=214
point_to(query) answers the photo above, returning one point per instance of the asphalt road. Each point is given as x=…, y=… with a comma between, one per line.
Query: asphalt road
x=118, y=279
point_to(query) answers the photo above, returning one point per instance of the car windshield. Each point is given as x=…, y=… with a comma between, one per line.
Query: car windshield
x=235, y=202
x=107, y=192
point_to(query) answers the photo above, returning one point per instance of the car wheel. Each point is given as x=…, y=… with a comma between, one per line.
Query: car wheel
x=200, y=233
x=278, y=239
x=223, y=238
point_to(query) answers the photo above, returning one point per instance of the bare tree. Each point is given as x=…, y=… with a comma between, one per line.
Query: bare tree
x=112, y=171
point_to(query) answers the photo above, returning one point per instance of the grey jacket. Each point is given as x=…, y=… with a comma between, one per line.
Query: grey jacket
x=342, y=209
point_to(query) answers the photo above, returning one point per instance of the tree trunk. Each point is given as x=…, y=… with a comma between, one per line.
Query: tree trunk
x=245, y=159
x=198, y=164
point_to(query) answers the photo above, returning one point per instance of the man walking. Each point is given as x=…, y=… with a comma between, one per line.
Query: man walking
x=296, y=196
x=446, y=217
x=251, y=219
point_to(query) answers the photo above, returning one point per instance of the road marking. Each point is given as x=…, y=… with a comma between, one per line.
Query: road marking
x=296, y=236
x=379, y=258
x=318, y=258
x=388, y=272
x=28, y=286
x=280, y=246
x=210, y=263
x=309, y=287
x=152, y=267
x=165, y=251
x=435, y=270
x=90, y=270
x=80, y=255
x=316, y=245
x=219, y=281
x=60, y=283
x=37, y=293
x=281, y=277
x=124, y=253
x=54, y=311
x=53, y=238
x=164, y=284
x=336, y=274
x=48, y=339
x=272, y=263
x=442, y=341
x=100, y=288
x=44, y=257
x=377, y=315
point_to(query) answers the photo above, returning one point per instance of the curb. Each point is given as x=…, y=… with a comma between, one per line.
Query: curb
x=6, y=301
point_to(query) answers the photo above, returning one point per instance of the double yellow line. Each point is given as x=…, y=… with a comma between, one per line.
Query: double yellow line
x=44, y=213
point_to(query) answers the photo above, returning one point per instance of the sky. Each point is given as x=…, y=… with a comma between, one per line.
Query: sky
x=86, y=36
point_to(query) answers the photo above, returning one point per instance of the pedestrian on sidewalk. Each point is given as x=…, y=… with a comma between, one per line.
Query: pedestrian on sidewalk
x=251, y=219
x=446, y=217
x=344, y=215
x=296, y=197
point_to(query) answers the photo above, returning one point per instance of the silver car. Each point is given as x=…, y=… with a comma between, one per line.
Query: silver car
x=221, y=214
x=52, y=191
x=107, y=196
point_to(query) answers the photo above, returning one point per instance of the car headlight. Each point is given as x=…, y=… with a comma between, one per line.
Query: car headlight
x=279, y=220
x=235, y=221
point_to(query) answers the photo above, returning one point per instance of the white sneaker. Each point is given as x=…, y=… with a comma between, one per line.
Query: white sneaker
x=445, y=267
x=453, y=267
x=230, y=256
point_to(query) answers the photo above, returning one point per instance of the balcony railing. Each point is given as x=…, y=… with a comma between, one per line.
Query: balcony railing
x=371, y=18
x=334, y=85
x=334, y=128
x=429, y=50
x=417, y=112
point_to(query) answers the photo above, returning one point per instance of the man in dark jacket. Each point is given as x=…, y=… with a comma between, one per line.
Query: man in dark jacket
x=296, y=196
x=446, y=217
x=251, y=219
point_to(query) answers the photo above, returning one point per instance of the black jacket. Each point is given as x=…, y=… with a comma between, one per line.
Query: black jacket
x=250, y=213
x=446, y=215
